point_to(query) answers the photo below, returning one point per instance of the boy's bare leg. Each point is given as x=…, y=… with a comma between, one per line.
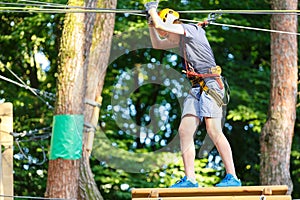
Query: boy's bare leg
x=187, y=128
x=214, y=129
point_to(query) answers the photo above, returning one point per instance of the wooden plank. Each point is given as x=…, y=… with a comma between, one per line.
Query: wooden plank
x=210, y=191
x=6, y=142
x=272, y=197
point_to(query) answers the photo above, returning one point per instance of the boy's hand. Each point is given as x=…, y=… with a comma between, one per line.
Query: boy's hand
x=203, y=24
x=149, y=5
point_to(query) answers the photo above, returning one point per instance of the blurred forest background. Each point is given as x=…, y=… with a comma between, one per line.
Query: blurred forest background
x=122, y=157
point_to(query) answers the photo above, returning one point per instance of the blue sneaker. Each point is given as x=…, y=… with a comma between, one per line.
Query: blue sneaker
x=184, y=183
x=229, y=181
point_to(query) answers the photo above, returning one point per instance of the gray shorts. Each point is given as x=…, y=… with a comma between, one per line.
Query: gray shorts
x=201, y=104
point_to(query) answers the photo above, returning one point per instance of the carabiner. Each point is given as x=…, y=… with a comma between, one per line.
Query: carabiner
x=213, y=16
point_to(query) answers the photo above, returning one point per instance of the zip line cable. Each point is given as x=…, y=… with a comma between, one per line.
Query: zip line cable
x=248, y=12
x=19, y=84
x=42, y=2
x=61, y=8
x=255, y=29
x=244, y=27
x=11, y=81
x=22, y=84
x=21, y=81
x=75, y=9
x=191, y=11
x=43, y=93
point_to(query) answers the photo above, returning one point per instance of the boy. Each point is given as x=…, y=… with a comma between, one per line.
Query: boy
x=167, y=32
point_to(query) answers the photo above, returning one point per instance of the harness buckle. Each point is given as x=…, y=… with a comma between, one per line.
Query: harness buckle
x=215, y=70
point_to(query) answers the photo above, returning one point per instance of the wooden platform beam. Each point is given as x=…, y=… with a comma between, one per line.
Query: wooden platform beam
x=277, y=192
x=278, y=197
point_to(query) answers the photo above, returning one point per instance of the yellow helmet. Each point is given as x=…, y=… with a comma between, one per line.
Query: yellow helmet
x=168, y=15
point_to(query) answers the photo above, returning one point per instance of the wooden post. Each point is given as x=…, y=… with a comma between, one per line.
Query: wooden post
x=6, y=157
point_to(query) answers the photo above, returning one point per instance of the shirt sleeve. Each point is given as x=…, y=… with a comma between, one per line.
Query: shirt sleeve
x=191, y=30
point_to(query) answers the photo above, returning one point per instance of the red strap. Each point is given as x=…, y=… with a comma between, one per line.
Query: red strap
x=220, y=83
x=190, y=73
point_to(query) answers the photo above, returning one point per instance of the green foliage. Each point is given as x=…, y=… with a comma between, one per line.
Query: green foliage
x=25, y=35
x=295, y=163
x=119, y=183
x=245, y=59
x=246, y=114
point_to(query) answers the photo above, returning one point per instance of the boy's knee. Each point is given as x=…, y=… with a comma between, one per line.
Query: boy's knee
x=182, y=131
x=215, y=135
x=185, y=132
x=188, y=126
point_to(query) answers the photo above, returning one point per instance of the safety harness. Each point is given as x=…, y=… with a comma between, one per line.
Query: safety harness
x=198, y=79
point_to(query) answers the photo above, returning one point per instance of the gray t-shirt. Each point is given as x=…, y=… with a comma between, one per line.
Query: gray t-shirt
x=197, y=48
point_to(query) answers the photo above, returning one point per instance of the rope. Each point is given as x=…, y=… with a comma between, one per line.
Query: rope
x=24, y=85
x=11, y=81
x=254, y=12
x=21, y=81
x=256, y=29
x=30, y=159
x=61, y=8
x=244, y=27
x=68, y=9
x=139, y=13
x=29, y=197
x=35, y=91
x=42, y=2
x=30, y=132
x=34, y=135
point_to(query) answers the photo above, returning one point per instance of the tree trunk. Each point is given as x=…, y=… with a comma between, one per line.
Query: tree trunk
x=98, y=62
x=63, y=174
x=81, y=77
x=277, y=134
